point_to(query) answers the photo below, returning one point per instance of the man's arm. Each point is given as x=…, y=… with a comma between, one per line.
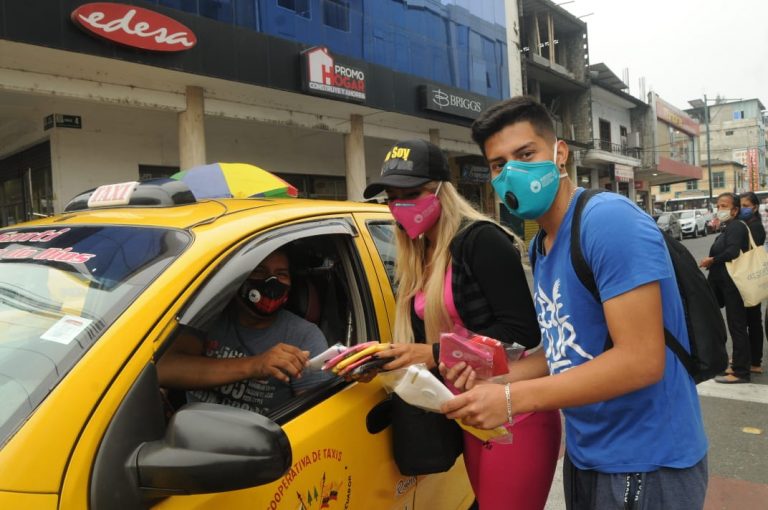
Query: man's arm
x=184, y=366
x=636, y=360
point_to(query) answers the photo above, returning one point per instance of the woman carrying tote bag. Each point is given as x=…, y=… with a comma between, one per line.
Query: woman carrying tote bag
x=728, y=245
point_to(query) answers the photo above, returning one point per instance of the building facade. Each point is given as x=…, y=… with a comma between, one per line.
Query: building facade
x=727, y=176
x=671, y=149
x=612, y=156
x=313, y=90
x=737, y=131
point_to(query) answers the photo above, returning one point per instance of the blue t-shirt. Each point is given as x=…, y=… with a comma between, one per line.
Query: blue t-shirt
x=657, y=426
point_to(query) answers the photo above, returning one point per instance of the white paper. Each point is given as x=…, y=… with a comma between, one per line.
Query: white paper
x=66, y=329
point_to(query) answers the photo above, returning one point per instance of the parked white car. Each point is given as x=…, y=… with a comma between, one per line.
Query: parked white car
x=693, y=222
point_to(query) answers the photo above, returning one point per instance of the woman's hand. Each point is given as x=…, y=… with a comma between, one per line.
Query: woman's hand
x=461, y=375
x=706, y=262
x=404, y=355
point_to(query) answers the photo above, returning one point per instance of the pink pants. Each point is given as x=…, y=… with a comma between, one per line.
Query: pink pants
x=515, y=476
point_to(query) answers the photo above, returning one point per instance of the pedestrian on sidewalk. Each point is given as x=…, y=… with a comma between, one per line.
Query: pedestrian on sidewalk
x=750, y=214
x=732, y=240
x=634, y=431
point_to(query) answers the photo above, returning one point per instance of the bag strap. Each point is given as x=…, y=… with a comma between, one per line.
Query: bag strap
x=752, y=244
x=587, y=278
x=580, y=266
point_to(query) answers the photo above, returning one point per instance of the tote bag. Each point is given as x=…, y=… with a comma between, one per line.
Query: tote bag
x=749, y=272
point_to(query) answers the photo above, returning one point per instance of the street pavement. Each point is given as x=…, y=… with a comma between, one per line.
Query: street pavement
x=736, y=421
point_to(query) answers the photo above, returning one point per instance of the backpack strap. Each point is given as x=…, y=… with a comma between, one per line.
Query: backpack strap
x=587, y=278
x=580, y=266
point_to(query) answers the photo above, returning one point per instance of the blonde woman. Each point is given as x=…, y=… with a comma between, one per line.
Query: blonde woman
x=456, y=266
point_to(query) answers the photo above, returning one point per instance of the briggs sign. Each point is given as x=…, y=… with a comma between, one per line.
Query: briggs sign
x=134, y=26
x=325, y=75
x=455, y=102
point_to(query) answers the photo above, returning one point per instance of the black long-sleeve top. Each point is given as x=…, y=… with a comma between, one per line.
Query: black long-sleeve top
x=755, y=225
x=727, y=246
x=489, y=287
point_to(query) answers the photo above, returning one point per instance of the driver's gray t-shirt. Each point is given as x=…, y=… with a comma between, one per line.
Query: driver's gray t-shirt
x=227, y=338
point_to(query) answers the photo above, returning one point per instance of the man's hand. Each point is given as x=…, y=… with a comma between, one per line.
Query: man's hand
x=484, y=406
x=706, y=262
x=406, y=355
x=282, y=362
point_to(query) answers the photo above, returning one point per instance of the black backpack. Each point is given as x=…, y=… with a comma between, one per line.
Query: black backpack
x=706, y=329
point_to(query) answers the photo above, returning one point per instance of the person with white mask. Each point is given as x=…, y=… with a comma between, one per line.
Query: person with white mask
x=732, y=240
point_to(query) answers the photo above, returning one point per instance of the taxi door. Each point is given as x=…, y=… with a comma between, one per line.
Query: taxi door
x=340, y=438
x=441, y=490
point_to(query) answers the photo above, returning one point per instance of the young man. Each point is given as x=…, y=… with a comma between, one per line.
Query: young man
x=634, y=433
x=254, y=355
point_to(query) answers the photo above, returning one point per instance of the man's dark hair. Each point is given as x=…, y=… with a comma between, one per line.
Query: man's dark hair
x=512, y=111
x=733, y=196
x=752, y=197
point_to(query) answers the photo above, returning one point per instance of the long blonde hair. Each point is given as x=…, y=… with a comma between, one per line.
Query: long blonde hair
x=413, y=272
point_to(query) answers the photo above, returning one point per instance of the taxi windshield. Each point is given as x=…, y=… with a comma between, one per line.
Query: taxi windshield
x=60, y=289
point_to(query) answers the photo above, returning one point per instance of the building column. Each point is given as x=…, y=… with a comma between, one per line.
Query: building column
x=354, y=151
x=631, y=191
x=434, y=137
x=192, y=130
x=514, y=67
x=594, y=178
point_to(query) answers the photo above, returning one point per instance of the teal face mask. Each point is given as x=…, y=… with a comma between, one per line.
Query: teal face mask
x=528, y=189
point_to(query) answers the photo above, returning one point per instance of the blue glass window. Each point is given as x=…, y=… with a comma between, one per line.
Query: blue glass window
x=336, y=14
x=220, y=10
x=300, y=7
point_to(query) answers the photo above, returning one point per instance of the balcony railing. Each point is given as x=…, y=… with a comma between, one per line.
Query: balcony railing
x=617, y=148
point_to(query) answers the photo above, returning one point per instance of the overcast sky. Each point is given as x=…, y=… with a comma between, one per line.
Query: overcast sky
x=683, y=48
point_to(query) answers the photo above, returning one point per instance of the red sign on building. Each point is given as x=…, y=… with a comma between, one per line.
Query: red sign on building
x=134, y=26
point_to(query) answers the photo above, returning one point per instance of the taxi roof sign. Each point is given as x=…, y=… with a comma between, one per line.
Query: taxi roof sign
x=149, y=193
x=112, y=194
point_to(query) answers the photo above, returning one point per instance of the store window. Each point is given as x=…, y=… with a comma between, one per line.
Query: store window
x=26, y=190
x=336, y=14
x=300, y=7
x=718, y=179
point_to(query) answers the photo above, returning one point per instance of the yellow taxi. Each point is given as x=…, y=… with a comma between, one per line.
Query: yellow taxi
x=91, y=299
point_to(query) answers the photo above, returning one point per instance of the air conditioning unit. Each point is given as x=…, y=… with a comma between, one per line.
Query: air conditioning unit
x=634, y=140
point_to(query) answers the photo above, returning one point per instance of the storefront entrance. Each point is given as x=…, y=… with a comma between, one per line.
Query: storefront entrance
x=26, y=190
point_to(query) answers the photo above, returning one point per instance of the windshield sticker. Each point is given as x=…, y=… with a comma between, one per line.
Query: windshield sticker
x=53, y=254
x=66, y=329
x=31, y=237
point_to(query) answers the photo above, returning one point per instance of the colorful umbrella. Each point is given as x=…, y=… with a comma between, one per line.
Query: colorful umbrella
x=234, y=180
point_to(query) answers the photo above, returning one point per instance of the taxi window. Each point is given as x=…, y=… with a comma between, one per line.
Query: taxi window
x=383, y=234
x=60, y=289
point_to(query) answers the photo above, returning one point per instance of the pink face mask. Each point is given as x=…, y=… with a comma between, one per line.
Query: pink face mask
x=418, y=215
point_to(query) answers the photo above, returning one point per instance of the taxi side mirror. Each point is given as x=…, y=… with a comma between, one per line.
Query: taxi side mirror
x=212, y=448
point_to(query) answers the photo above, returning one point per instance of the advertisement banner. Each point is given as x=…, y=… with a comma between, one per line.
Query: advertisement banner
x=327, y=75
